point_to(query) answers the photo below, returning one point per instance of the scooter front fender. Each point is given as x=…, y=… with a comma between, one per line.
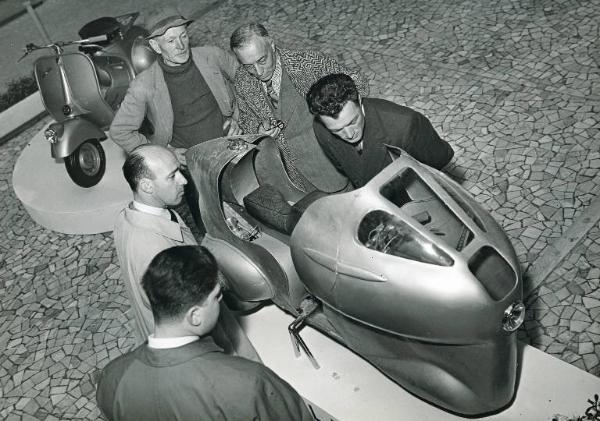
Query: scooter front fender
x=74, y=132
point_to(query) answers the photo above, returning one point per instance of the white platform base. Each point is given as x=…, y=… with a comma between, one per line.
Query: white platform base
x=54, y=201
x=347, y=388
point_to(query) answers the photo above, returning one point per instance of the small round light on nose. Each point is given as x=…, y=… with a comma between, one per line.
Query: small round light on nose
x=51, y=135
x=513, y=316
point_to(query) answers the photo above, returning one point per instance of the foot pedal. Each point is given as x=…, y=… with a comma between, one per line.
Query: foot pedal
x=307, y=307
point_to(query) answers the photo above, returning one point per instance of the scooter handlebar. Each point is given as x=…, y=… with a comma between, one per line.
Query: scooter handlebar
x=57, y=46
x=92, y=40
x=99, y=38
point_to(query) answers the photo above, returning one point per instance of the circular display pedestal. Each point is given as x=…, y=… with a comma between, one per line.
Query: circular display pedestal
x=54, y=201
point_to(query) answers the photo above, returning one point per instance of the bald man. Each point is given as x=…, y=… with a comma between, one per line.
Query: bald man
x=148, y=226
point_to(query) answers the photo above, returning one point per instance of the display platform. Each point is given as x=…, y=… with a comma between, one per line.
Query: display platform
x=54, y=201
x=347, y=388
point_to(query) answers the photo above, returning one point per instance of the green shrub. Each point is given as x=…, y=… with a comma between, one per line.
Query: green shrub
x=17, y=90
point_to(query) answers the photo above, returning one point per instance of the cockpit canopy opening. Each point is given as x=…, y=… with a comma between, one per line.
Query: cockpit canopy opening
x=411, y=194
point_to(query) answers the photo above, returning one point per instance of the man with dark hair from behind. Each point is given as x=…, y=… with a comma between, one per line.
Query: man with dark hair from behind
x=353, y=131
x=181, y=374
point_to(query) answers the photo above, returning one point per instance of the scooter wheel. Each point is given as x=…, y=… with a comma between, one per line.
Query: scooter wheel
x=86, y=165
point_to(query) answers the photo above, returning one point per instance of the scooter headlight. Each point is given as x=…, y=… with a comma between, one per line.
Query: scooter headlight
x=53, y=133
x=513, y=316
x=51, y=136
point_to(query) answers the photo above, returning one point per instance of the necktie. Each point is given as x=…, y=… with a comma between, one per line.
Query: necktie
x=173, y=217
x=271, y=93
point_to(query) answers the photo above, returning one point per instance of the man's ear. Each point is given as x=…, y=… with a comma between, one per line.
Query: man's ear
x=195, y=315
x=154, y=45
x=145, y=185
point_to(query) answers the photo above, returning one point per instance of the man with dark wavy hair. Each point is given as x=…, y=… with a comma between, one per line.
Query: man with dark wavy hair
x=180, y=373
x=353, y=130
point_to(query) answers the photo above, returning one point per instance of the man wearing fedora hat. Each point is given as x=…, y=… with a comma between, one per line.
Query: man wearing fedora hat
x=186, y=94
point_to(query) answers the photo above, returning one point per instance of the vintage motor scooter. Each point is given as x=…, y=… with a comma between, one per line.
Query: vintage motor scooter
x=82, y=90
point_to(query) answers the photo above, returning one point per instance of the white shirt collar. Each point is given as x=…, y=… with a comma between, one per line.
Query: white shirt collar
x=153, y=210
x=168, y=343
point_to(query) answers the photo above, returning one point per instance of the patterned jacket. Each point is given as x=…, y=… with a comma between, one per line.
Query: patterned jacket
x=304, y=68
x=306, y=165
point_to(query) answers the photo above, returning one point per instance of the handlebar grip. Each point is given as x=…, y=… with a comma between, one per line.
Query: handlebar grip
x=98, y=38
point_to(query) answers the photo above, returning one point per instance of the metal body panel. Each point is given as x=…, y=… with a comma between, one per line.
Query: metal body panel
x=329, y=227
x=83, y=83
x=464, y=379
x=75, y=131
x=412, y=273
x=240, y=270
x=47, y=76
x=206, y=163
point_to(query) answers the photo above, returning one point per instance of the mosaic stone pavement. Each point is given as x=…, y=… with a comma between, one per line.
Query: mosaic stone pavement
x=563, y=313
x=514, y=87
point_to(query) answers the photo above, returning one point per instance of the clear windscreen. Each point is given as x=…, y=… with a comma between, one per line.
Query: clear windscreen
x=388, y=234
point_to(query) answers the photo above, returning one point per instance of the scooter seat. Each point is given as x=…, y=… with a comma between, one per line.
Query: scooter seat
x=102, y=26
x=268, y=205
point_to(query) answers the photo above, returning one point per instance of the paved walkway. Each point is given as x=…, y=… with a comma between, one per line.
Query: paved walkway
x=514, y=87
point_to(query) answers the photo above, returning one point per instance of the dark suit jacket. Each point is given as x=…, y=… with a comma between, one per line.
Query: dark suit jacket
x=385, y=123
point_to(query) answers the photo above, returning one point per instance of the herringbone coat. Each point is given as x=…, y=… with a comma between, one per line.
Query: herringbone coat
x=303, y=68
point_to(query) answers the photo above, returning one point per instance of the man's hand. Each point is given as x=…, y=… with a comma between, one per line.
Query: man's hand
x=232, y=128
x=179, y=154
x=266, y=129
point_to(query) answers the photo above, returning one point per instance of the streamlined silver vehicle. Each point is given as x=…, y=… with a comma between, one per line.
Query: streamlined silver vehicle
x=408, y=271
